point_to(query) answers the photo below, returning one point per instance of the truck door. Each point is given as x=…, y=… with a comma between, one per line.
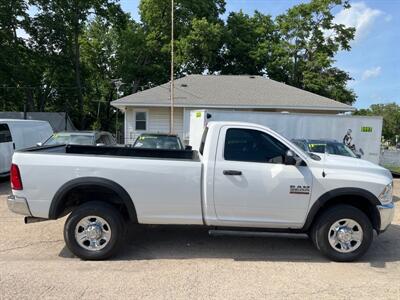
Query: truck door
x=253, y=186
x=6, y=149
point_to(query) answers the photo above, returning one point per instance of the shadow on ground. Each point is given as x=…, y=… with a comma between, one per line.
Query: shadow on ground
x=154, y=243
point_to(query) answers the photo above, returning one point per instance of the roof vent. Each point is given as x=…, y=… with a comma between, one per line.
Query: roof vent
x=184, y=85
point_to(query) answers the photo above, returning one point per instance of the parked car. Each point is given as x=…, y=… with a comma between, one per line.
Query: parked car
x=98, y=138
x=158, y=141
x=18, y=134
x=322, y=145
x=244, y=175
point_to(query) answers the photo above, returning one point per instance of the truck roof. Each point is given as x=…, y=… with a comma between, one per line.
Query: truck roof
x=235, y=123
x=82, y=132
x=21, y=120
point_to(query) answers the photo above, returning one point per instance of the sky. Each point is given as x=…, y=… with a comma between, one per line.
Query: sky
x=374, y=60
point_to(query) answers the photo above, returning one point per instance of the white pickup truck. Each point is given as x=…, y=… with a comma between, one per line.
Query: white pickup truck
x=244, y=177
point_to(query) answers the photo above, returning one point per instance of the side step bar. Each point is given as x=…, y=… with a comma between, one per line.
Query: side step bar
x=249, y=233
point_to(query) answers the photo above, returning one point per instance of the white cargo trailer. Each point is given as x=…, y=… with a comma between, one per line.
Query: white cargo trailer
x=17, y=134
x=364, y=132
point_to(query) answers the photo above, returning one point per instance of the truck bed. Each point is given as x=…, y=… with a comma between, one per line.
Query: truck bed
x=118, y=151
x=149, y=176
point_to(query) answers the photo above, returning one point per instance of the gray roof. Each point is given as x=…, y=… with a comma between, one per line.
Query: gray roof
x=231, y=91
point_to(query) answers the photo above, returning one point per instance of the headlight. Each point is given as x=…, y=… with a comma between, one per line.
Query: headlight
x=386, y=195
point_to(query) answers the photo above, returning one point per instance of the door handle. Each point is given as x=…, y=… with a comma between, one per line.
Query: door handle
x=232, y=172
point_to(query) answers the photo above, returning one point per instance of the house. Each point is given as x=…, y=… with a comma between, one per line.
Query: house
x=149, y=110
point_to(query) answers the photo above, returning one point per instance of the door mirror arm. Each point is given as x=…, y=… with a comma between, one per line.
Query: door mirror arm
x=289, y=158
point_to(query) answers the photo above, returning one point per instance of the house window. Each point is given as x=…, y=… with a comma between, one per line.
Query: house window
x=140, y=120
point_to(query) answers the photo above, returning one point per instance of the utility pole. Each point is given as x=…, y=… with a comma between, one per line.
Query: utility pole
x=117, y=83
x=171, y=125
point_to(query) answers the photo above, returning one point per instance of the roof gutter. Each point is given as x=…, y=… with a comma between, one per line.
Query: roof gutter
x=122, y=106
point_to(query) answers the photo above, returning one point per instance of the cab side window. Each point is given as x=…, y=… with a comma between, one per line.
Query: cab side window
x=253, y=146
x=5, y=134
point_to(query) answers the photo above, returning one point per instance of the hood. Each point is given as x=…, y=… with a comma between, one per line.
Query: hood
x=331, y=161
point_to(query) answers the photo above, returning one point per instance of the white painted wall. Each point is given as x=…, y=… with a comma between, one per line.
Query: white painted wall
x=157, y=121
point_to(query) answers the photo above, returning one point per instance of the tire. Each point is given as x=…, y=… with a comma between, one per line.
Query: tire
x=336, y=233
x=94, y=231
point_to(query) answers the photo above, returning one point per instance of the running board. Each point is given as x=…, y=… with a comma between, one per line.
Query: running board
x=249, y=233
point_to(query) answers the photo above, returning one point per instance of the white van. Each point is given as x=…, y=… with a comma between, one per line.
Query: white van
x=19, y=134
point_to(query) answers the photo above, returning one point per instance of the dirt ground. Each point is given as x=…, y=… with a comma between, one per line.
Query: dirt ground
x=182, y=264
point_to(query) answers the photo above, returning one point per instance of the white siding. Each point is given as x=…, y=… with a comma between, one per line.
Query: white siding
x=157, y=122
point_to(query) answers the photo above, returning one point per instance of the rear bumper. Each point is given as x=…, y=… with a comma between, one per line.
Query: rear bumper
x=18, y=205
x=386, y=213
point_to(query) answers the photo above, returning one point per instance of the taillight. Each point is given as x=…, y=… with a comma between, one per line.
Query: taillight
x=16, y=182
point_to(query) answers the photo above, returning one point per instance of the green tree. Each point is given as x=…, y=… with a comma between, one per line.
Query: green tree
x=98, y=56
x=198, y=51
x=249, y=44
x=76, y=48
x=189, y=17
x=310, y=39
x=140, y=61
x=57, y=31
x=16, y=65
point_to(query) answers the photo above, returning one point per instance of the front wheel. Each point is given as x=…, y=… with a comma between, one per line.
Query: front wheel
x=94, y=231
x=342, y=233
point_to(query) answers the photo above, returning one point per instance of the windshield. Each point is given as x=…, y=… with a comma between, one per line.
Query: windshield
x=331, y=148
x=69, y=138
x=340, y=149
x=298, y=147
x=158, y=142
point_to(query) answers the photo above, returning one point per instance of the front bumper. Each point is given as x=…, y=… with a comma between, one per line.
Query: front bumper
x=386, y=213
x=18, y=205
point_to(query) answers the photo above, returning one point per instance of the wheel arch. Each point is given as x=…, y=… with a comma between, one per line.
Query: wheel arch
x=58, y=203
x=357, y=197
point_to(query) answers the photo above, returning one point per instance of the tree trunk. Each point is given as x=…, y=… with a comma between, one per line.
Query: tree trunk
x=42, y=100
x=109, y=99
x=135, y=85
x=29, y=106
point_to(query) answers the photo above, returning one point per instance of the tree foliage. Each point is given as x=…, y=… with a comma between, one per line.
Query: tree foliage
x=74, y=51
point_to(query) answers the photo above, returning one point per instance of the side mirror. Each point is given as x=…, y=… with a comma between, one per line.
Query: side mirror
x=188, y=147
x=39, y=144
x=289, y=158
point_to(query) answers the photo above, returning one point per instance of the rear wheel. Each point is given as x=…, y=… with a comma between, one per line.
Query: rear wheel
x=342, y=233
x=94, y=231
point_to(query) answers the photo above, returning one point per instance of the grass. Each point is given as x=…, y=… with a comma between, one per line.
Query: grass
x=392, y=168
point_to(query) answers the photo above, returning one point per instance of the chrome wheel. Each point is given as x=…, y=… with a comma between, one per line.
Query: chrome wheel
x=345, y=235
x=92, y=233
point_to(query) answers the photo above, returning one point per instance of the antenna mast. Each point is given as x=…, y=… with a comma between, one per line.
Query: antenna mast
x=171, y=125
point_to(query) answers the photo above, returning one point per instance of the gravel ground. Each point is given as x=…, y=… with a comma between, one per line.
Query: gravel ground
x=180, y=264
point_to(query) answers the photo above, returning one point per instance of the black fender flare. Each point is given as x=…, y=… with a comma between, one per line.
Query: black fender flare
x=324, y=198
x=96, y=181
